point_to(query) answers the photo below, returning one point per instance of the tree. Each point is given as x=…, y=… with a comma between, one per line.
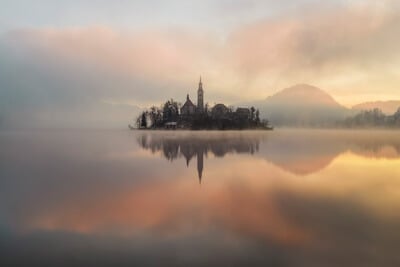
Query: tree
x=206, y=108
x=257, y=116
x=156, y=118
x=252, y=110
x=170, y=111
x=394, y=120
x=373, y=118
x=143, y=122
x=138, y=121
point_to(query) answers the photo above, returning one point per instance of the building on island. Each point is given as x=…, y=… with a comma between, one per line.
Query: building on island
x=218, y=111
x=197, y=116
x=189, y=108
x=200, y=98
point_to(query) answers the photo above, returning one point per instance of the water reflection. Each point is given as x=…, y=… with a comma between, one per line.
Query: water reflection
x=188, y=146
x=282, y=198
x=301, y=152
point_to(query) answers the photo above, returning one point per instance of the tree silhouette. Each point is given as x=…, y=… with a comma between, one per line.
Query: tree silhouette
x=156, y=118
x=143, y=122
x=373, y=118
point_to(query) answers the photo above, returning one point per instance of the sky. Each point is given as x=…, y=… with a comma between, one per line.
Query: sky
x=95, y=62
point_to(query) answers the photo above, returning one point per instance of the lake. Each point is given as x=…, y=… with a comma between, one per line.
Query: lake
x=153, y=198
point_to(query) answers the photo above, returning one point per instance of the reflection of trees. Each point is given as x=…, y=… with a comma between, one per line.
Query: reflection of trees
x=378, y=146
x=301, y=152
x=189, y=146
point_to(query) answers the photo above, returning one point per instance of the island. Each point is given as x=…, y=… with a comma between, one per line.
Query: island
x=173, y=115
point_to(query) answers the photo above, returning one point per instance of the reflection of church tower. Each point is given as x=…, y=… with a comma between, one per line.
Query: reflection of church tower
x=200, y=98
x=200, y=155
x=187, y=153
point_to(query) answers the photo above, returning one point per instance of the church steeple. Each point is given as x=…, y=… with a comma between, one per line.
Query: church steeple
x=200, y=97
x=200, y=163
x=200, y=84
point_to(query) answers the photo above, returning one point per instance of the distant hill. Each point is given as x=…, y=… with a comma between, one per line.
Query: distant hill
x=387, y=107
x=301, y=105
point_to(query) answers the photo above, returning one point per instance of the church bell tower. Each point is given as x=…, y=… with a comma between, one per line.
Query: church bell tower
x=200, y=98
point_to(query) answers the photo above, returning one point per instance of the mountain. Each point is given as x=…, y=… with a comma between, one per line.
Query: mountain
x=301, y=105
x=387, y=107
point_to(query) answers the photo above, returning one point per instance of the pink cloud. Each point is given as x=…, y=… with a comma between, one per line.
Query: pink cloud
x=340, y=50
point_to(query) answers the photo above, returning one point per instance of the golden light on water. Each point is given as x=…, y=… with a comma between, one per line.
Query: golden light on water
x=240, y=193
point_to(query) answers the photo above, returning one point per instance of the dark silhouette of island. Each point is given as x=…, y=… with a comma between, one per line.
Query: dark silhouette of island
x=173, y=115
x=298, y=106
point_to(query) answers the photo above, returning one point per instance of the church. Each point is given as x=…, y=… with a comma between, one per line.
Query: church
x=189, y=108
x=197, y=116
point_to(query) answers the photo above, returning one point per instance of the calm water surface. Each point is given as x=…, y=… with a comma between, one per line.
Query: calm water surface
x=135, y=198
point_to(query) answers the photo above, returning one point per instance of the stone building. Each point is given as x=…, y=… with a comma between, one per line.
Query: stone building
x=200, y=98
x=188, y=108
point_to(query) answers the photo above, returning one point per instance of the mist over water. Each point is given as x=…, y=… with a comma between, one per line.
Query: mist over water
x=249, y=198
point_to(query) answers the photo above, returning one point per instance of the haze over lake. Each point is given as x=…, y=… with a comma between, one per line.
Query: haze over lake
x=199, y=133
x=182, y=198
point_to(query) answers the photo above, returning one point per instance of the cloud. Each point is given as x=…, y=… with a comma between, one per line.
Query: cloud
x=319, y=46
x=81, y=68
x=349, y=50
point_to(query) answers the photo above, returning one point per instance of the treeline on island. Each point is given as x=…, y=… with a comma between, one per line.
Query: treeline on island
x=372, y=118
x=219, y=117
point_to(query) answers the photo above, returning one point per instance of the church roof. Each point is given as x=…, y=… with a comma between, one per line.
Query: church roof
x=188, y=103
